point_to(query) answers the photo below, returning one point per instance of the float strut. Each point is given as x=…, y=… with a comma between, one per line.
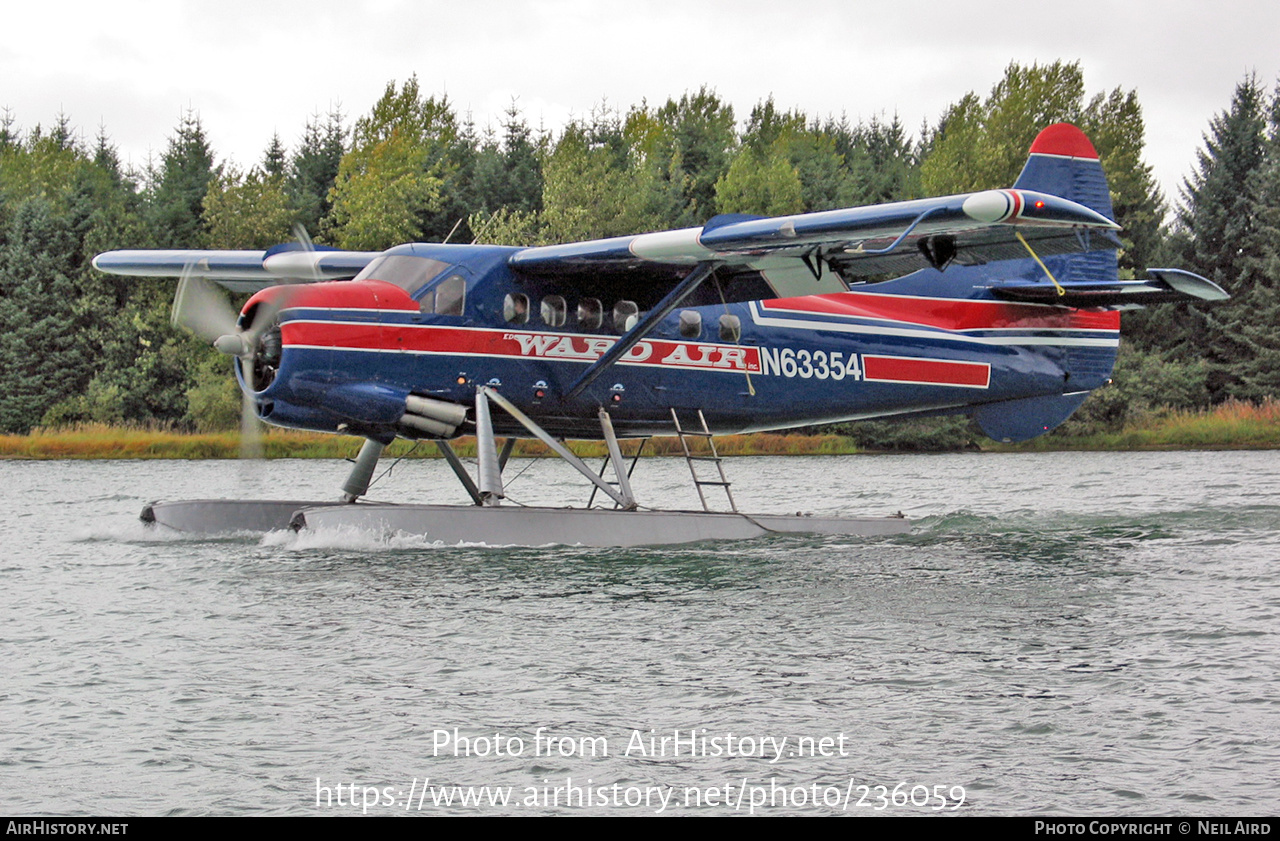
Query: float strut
x=487, y=453
x=504, y=456
x=545, y=437
x=460, y=471
x=615, y=456
x=357, y=484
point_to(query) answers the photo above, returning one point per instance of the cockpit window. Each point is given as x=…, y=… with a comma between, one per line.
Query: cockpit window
x=404, y=270
x=451, y=295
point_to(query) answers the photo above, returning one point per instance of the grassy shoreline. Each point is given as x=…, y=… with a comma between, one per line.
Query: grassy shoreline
x=100, y=441
x=1230, y=426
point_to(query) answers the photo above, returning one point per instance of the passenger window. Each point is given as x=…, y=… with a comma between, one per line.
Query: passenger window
x=690, y=324
x=730, y=328
x=451, y=295
x=515, y=308
x=625, y=316
x=553, y=311
x=428, y=302
x=590, y=313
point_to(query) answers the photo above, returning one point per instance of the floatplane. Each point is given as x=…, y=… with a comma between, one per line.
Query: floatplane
x=1002, y=305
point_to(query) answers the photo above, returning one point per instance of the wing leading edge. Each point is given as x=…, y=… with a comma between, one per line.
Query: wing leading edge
x=239, y=271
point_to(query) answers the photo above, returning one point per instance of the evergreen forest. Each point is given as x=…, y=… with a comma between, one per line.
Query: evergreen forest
x=77, y=346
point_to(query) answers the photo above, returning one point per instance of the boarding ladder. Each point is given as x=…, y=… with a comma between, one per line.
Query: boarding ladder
x=704, y=454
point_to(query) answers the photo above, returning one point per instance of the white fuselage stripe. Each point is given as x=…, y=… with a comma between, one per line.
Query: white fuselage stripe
x=940, y=335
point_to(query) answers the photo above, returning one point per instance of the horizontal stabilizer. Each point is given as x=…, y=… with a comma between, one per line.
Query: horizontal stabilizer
x=1190, y=285
x=1163, y=286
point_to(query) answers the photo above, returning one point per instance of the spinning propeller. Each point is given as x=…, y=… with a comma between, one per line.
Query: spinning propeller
x=253, y=339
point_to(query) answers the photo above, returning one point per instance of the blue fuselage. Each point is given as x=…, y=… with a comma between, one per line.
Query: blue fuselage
x=353, y=351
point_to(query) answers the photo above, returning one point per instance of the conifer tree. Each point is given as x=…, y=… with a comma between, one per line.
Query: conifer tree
x=273, y=159
x=881, y=159
x=46, y=358
x=1222, y=236
x=1219, y=198
x=177, y=200
x=9, y=136
x=508, y=172
x=314, y=168
x=1259, y=376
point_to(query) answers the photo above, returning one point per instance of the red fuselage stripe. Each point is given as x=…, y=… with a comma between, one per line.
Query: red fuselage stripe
x=518, y=344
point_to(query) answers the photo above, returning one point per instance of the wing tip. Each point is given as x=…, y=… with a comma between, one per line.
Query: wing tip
x=1190, y=284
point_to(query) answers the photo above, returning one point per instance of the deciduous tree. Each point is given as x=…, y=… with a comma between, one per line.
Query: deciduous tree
x=389, y=184
x=982, y=144
x=247, y=210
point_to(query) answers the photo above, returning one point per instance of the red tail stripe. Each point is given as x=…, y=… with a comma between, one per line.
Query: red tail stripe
x=935, y=371
x=947, y=313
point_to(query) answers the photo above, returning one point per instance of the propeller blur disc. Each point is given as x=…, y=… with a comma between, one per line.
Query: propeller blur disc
x=200, y=307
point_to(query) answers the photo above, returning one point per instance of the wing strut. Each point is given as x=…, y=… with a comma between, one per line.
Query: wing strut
x=691, y=282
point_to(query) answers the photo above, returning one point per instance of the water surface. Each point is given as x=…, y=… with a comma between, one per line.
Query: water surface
x=1062, y=634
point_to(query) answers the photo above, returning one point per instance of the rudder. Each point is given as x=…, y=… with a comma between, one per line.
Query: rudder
x=1063, y=162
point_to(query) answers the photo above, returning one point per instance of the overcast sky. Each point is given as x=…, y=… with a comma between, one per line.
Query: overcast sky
x=253, y=67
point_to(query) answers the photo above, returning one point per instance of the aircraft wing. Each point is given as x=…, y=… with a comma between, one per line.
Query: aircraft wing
x=239, y=271
x=817, y=253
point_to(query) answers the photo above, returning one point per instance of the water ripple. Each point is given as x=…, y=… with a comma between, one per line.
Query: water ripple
x=1060, y=634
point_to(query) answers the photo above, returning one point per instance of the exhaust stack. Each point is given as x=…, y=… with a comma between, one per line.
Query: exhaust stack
x=436, y=418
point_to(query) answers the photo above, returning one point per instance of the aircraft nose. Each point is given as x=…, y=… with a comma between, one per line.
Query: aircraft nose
x=271, y=300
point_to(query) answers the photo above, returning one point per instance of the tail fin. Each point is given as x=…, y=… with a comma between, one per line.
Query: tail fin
x=1064, y=163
